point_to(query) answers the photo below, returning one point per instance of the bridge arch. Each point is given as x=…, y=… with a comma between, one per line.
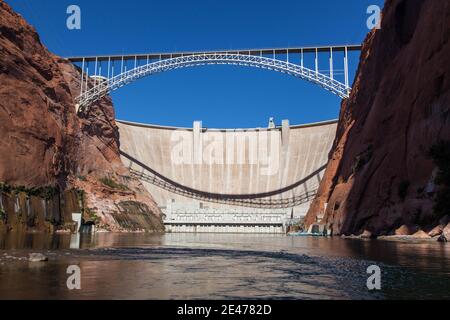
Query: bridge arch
x=103, y=86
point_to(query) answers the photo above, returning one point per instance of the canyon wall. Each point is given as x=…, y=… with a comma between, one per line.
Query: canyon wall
x=47, y=150
x=388, y=170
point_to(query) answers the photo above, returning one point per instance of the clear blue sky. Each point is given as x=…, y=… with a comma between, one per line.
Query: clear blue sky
x=220, y=96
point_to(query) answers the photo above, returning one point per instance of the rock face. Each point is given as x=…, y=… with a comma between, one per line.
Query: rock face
x=381, y=176
x=45, y=144
x=445, y=236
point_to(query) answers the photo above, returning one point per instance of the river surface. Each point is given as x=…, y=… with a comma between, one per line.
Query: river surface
x=220, y=266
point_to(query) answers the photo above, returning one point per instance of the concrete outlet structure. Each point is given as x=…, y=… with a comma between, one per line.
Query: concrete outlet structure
x=193, y=217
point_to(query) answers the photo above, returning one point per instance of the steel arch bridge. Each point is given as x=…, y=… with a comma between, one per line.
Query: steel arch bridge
x=99, y=84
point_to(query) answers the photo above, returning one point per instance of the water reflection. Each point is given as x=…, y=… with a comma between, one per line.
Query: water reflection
x=195, y=266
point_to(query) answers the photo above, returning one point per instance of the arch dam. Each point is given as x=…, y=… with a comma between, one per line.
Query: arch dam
x=212, y=180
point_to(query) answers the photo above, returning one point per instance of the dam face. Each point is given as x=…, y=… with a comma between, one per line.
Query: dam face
x=287, y=162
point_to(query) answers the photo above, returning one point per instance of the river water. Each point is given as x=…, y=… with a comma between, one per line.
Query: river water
x=220, y=266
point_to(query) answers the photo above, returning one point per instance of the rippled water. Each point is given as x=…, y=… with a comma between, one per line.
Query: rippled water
x=221, y=266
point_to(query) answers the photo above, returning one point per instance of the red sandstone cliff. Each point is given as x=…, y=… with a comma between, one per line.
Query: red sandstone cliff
x=45, y=144
x=381, y=177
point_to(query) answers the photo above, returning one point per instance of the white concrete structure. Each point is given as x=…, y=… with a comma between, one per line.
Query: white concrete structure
x=286, y=162
x=76, y=217
x=193, y=217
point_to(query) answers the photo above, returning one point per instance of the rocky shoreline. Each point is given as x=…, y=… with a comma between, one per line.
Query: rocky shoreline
x=440, y=233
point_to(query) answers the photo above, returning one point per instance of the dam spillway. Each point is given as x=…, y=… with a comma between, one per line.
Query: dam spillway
x=275, y=163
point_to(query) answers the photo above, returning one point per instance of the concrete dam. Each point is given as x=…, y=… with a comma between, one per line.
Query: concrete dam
x=235, y=180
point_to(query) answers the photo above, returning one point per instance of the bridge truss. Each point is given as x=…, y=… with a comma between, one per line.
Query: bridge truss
x=104, y=78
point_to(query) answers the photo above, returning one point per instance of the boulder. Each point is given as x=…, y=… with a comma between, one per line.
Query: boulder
x=421, y=235
x=437, y=231
x=406, y=230
x=445, y=236
x=366, y=235
x=37, y=257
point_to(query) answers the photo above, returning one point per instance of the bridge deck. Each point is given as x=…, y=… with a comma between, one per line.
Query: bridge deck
x=168, y=55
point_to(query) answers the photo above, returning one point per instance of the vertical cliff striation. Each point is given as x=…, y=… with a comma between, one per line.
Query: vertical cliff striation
x=388, y=169
x=47, y=150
